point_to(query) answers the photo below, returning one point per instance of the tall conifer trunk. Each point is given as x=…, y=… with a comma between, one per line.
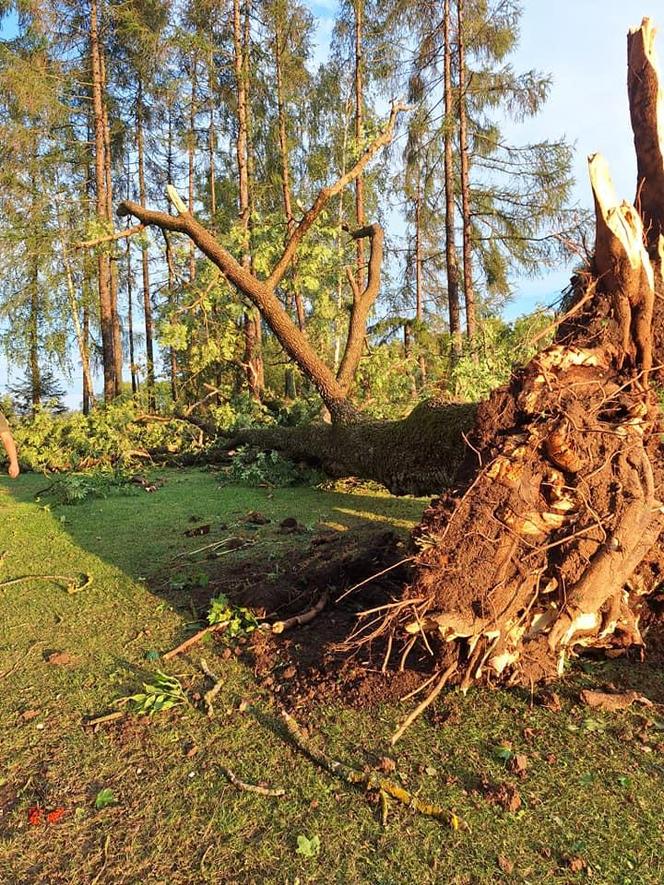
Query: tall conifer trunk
x=451, y=260
x=145, y=257
x=106, y=313
x=466, y=219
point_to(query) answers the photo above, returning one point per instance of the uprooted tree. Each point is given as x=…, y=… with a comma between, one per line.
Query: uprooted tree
x=549, y=541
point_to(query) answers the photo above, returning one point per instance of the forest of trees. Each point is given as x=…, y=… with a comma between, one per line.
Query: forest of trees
x=414, y=228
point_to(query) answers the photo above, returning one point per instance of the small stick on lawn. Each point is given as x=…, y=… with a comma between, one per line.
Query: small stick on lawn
x=429, y=699
x=370, y=780
x=211, y=628
x=251, y=788
x=210, y=695
x=21, y=659
x=109, y=717
x=303, y=618
x=73, y=585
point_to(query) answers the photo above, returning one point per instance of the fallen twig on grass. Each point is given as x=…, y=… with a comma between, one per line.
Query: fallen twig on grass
x=251, y=788
x=211, y=628
x=73, y=584
x=303, y=618
x=104, y=860
x=107, y=717
x=429, y=699
x=370, y=780
x=210, y=695
x=21, y=659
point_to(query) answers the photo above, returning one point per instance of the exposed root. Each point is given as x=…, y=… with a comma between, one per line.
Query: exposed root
x=303, y=618
x=429, y=699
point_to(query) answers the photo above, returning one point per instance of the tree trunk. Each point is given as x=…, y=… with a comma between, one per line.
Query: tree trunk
x=419, y=455
x=251, y=324
x=130, y=323
x=103, y=262
x=550, y=546
x=419, y=293
x=262, y=292
x=117, y=329
x=284, y=157
x=191, y=159
x=451, y=259
x=145, y=258
x=33, y=337
x=359, y=135
x=468, y=289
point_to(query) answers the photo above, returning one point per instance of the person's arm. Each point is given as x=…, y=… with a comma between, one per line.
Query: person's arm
x=10, y=448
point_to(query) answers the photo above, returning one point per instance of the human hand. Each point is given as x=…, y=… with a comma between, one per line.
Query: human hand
x=14, y=469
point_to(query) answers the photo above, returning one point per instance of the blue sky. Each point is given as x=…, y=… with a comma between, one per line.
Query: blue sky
x=582, y=44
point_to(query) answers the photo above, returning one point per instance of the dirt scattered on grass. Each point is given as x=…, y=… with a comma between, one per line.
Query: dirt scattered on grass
x=503, y=794
x=304, y=666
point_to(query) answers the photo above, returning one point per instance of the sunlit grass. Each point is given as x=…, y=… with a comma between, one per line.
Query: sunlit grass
x=592, y=789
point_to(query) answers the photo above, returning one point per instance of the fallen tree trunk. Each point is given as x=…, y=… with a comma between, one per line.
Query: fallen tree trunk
x=552, y=545
x=419, y=455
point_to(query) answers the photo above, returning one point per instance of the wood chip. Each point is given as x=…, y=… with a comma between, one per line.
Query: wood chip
x=611, y=702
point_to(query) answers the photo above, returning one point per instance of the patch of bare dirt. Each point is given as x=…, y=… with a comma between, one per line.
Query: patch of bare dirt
x=305, y=665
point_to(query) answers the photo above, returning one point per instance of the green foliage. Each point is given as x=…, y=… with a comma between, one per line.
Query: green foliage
x=107, y=437
x=268, y=469
x=238, y=621
x=182, y=581
x=500, y=349
x=74, y=488
x=105, y=798
x=308, y=847
x=163, y=693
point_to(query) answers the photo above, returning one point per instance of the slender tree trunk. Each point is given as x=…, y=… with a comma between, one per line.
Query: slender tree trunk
x=285, y=170
x=419, y=294
x=251, y=325
x=191, y=157
x=130, y=322
x=88, y=387
x=212, y=145
x=33, y=337
x=451, y=260
x=145, y=257
x=340, y=247
x=359, y=135
x=468, y=289
x=117, y=329
x=172, y=356
x=103, y=262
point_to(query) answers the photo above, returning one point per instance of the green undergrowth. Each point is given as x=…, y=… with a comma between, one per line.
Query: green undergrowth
x=590, y=795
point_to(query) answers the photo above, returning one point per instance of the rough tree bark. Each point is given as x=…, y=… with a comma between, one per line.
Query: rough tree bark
x=550, y=546
x=451, y=259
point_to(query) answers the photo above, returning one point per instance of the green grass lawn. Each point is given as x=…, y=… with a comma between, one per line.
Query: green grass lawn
x=592, y=789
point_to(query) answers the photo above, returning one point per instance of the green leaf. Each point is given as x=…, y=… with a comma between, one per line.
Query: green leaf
x=308, y=847
x=105, y=798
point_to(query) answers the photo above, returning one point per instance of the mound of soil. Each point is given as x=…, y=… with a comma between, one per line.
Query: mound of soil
x=307, y=664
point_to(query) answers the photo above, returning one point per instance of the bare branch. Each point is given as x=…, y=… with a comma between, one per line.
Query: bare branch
x=117, y=235
x=326, y=194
